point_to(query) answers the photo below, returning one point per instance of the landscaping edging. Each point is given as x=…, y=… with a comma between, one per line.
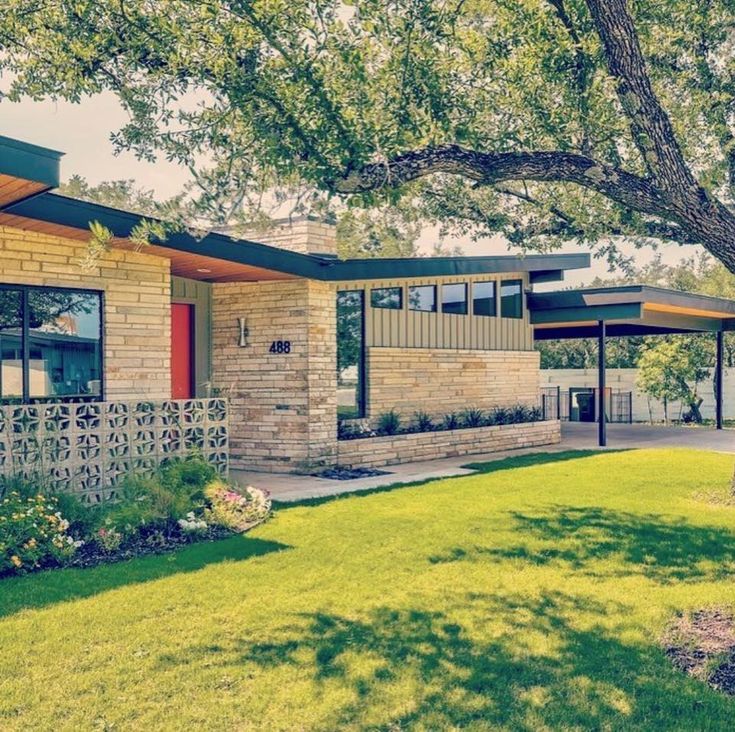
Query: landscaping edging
x=374, y=452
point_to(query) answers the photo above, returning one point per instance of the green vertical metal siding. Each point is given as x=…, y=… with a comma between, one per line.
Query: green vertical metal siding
x=198, y=294
x=405, y=328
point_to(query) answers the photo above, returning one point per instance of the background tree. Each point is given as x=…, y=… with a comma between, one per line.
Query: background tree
x=545, y=120
x=672, y=370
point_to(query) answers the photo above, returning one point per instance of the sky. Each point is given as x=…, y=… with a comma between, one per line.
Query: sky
x=83, y=131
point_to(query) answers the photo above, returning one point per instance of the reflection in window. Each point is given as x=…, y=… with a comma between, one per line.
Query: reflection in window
x=387, y=297
x=350, y=354
x=422, y=297
x=50, y=343
x=454, y=299
x=511, y=299
x=483, y=298
x=11, y=344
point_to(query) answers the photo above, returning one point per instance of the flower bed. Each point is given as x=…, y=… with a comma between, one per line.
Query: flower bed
x=374, y=452
x=181, y=503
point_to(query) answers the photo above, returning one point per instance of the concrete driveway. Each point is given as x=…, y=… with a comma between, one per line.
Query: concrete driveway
x=583, y=436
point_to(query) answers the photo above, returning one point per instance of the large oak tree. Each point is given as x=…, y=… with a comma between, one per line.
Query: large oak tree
x=545, y=120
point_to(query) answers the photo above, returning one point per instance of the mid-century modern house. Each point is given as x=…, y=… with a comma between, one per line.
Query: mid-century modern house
x=251, y=350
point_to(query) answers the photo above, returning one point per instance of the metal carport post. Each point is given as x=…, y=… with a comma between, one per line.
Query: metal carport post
x=601, y=415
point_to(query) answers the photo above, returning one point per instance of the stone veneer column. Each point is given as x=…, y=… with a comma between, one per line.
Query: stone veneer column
x=283, y=406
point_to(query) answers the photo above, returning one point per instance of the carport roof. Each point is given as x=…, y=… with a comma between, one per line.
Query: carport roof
x=627, y=310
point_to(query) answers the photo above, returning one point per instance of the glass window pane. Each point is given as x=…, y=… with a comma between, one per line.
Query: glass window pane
x=511, y=299
x=11, y=344
x=64, y=343
x=350, y=354
x=454, y=299
x=387, y=297
x=422, y=297
x=483, y=298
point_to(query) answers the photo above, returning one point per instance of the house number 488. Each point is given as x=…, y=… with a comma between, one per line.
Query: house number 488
x=280, y=347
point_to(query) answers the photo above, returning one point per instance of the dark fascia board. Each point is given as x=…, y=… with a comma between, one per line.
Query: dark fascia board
x=643, y=294
x=612, y=330
x=30, y=162
x=618, y=311
x=58, y=209
x=381, y=269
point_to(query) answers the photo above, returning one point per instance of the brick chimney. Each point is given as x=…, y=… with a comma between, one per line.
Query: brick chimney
x=304, y=235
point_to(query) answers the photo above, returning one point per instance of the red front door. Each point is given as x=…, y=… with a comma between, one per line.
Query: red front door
x=182, y=351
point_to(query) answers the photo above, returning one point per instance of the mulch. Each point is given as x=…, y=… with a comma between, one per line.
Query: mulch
x=702, y=645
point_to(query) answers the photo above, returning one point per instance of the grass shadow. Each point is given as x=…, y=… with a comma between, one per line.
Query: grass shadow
x=53, y=586
x=507, y=463
x=664, y=550
x=535, y=458
x=585, y=677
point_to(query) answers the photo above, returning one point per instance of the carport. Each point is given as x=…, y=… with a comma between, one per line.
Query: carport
x=631, y=310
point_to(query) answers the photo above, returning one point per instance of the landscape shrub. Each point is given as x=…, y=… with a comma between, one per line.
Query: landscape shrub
x=389, y=423
x=472, y=418
x=183, y=501
x=236, y=511
x=422, y=422
x=451, y=421
x=33, y=533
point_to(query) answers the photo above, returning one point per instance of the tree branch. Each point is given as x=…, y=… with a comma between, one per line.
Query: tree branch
x=490, y=168
x=650, y=125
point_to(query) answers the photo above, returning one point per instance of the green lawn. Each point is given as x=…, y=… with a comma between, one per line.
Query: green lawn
x=529, y=597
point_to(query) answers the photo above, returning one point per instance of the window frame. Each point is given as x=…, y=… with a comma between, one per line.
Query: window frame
x=387, y=307
x=361, y=391
x=435, y=309
x=25, y=335
x=466, y=297
x=496, y=289
x=519, y=282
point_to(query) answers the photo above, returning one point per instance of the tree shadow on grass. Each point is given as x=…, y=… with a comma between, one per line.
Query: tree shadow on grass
x=663, y=549
x=525, y=663
x=59, y=585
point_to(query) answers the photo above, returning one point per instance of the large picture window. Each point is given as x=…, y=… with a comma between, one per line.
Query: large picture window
x=511, y=299
x=389, y=298
x=483, y=298
x=454, y=299
x=50, y=344
x=350, y=354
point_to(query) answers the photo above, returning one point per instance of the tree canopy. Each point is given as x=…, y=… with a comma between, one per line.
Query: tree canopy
x=544, y=120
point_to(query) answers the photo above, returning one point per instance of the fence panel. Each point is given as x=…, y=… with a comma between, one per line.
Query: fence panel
x=87, y=448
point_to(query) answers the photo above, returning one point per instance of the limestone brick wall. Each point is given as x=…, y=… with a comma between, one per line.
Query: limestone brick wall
x=283, y=406
x=375, y=452
x=302, y=235
x=137, y=310
x=438, y=381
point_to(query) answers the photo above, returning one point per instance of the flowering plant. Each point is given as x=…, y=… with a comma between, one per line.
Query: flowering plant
x=108, y=538
x=235, y=510
x=33, y=533
x=192, y=525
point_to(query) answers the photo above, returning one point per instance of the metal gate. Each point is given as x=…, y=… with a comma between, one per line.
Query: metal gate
x=555, y=404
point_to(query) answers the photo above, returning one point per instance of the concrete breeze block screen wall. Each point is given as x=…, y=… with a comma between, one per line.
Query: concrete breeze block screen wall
x=137, y=304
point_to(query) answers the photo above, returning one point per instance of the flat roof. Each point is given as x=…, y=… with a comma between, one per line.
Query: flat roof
x=228, y=259
x=31, y=162
x=627, y=310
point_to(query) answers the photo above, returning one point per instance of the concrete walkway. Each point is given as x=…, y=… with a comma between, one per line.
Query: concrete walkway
x=575, y=436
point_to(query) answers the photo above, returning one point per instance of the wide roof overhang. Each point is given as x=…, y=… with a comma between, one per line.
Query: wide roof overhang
x=627, y=310
x=220, y=258
x=26, y=170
